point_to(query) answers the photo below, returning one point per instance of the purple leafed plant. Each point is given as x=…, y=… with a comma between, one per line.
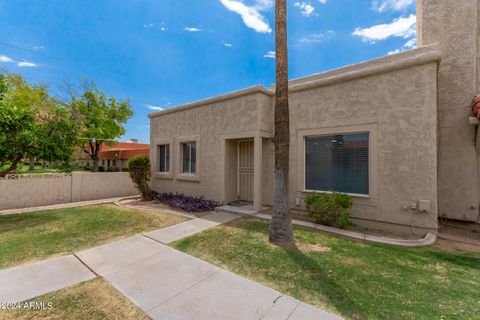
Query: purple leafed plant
x=186, y=203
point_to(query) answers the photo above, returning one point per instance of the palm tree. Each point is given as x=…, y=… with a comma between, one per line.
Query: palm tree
x=281, y=232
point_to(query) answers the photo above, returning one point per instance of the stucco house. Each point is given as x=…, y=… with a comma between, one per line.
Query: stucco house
x=393, y=132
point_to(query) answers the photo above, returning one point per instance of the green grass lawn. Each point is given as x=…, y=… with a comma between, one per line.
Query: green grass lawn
x=353, y=279
x=93, y=299
x=34, y=236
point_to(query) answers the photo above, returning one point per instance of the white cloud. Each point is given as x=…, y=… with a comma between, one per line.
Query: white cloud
x=394, y=52
x=262, y=5
x=38, y=47
x=192, y=29
x=148, y=25
x=404, y=27
x=27, y=64
x=396, y=5
x=305, y=8
x=163, y=29
x=316, y=37
x=226, y=44
x=411, y=44
x=323, y=1
x=6, y=59
x=251, y=15
x=269, y=54
x=155, y=108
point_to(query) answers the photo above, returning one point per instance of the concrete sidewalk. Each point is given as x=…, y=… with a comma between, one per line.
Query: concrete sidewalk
x=30, y=281
x=168, y=284
x=59, y=206
x=163, y=282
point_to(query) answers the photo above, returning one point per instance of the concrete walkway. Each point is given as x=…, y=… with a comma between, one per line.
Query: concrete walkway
x=168, y=284
x=163, y=282
x=59, y=206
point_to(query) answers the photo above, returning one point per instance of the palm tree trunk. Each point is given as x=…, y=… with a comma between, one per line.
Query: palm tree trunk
x=281, y=232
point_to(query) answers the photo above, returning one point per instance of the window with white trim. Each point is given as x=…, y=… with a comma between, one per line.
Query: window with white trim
x=337, y=163
x=164, y=158
x=189, y=157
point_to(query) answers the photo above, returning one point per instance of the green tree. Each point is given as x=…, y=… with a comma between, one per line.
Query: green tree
x=101, y=119
x=281, y=231
x=33, y=124
x=15, y=131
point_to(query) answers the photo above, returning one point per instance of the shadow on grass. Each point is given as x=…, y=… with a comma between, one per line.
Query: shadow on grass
x=462, y=259
x=335, y=295
x=314, y=276
x=22, y=222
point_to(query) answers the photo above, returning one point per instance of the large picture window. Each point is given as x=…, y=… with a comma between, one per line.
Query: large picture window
x=337, y=163
x=189, y=157
x=164, y=158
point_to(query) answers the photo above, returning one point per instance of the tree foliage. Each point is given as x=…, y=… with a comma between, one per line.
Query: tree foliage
x=140, y=172
x=100, y=118
x=32, y=123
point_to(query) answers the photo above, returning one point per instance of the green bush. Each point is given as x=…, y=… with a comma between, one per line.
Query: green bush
x=331, y=209
x=139, y=170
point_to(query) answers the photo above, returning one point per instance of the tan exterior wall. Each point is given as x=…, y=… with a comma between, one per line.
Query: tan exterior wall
x=208, y=123
x=394, y=98
x=79, y=186
x=398, y=109
x=453, y=25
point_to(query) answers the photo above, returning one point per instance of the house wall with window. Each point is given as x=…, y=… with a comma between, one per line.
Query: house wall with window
x=374, y=137
x=193, y=136
x=369, y=130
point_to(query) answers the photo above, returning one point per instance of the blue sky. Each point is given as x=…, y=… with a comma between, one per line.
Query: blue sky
x=162, y=53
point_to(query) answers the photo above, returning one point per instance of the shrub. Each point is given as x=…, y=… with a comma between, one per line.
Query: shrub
x=101, y=169
x=139, y=170
x=186, y=203
x=330, y=209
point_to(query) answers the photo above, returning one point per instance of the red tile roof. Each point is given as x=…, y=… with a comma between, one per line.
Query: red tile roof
x=122, y=150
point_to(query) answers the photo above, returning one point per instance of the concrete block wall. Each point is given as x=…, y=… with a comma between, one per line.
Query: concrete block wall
x=78, y=186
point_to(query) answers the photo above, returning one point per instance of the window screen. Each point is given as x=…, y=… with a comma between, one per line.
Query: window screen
x=337, y=163
x=189, y=157
x=164, y=158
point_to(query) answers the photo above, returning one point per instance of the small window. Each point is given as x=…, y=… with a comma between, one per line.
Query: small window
x=114, y=163
x=189, y=157
x=337, y=163
x=164, y=158
x=103, y=162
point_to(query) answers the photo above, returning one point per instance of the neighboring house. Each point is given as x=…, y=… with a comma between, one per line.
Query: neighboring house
x=393, y=132
x=116, y=155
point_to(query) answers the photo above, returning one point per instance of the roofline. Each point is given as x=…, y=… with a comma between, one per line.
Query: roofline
x=415, y=57
x=232, y=95
x=412, y=58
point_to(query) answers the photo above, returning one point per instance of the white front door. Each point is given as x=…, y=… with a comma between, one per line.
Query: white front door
x=245, y=170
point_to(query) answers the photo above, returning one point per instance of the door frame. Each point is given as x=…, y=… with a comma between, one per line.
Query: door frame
x=252, y=141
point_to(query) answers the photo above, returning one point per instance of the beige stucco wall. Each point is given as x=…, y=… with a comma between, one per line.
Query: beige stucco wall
x=209, y=123
x=453, y=25
x=393, y=97
x=398, y=108
x=79, y=186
